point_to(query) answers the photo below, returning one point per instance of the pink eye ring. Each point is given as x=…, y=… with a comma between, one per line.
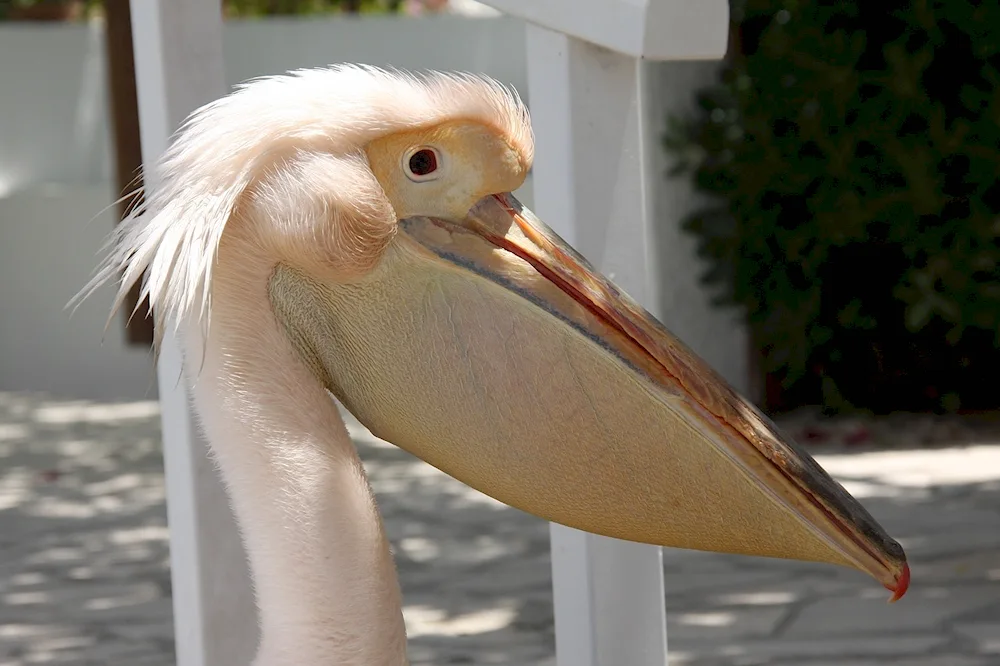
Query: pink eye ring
x=422, y=164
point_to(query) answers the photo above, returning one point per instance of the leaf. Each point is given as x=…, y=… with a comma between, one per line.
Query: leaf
x=918, y=314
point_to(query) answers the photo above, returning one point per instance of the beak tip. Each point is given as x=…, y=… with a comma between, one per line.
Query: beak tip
x=902, y=585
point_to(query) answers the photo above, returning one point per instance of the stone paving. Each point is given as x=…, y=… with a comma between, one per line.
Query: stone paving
x=84, y=575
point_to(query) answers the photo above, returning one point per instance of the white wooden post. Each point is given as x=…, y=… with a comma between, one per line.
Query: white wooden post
x=178, y=64
x=592, y=183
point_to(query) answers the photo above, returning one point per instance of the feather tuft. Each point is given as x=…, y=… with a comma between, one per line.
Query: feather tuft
x=172, y=236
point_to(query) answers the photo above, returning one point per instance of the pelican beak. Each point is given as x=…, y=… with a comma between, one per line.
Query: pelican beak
x=491, y=349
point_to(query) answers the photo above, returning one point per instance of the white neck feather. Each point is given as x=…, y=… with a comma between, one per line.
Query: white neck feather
x=326, y=586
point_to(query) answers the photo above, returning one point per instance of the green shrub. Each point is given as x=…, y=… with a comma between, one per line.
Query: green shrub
x=852, y=154
x=233, y=8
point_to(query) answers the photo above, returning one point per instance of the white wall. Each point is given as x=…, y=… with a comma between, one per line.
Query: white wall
x=55, y=175
x=53, y=125
x=685, y=307
x=47, y=251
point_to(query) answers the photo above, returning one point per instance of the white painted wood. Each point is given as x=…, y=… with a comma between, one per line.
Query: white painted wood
x=590, y=185
x=653, y=29
x=178, y=61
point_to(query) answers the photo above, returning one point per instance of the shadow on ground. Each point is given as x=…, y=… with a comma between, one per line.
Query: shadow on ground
x=84, y=575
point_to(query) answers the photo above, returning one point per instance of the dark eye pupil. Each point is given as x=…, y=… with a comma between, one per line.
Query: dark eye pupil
x=423, y=162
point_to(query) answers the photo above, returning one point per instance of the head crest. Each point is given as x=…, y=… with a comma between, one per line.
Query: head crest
x=172, y=236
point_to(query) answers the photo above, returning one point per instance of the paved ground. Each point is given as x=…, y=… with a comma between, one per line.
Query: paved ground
x=84, y=577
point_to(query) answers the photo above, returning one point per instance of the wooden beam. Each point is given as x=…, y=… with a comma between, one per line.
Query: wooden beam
x=124, y=108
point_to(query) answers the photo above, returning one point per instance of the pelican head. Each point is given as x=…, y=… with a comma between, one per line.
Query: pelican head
x=369, y=215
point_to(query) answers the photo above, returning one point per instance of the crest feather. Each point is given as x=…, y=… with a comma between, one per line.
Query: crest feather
x=173, y=235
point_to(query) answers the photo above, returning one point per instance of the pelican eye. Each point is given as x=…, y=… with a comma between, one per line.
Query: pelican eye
x=422, y=163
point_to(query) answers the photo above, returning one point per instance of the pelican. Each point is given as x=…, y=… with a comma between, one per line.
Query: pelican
x=350, y=232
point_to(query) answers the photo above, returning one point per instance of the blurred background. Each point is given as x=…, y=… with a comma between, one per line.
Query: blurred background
x=831, y=191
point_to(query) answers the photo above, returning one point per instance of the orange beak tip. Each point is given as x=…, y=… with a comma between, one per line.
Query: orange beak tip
x=902, y=585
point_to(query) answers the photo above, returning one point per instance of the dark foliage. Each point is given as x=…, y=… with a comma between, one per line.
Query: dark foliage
x=853, y=151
